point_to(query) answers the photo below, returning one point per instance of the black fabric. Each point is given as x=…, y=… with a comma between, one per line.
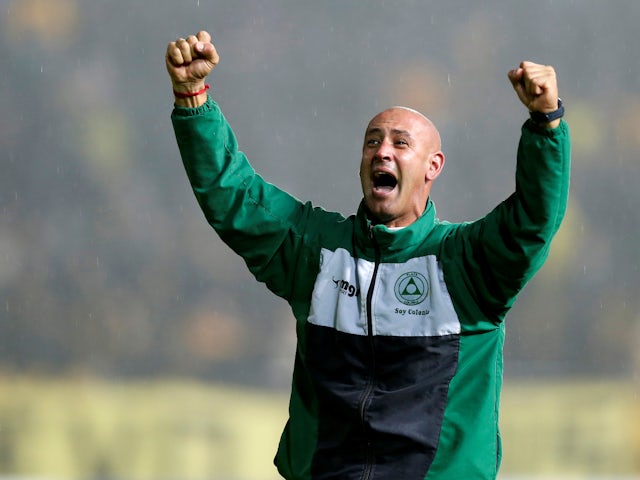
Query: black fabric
x=381, y=402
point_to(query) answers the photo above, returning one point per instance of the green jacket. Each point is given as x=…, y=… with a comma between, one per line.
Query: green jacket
x=398, y=366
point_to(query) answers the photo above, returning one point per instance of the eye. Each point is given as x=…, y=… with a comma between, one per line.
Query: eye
x=402, y=142
x=373, y=142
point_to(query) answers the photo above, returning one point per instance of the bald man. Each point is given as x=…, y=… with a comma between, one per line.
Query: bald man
x=401, y=158
x=400, y=316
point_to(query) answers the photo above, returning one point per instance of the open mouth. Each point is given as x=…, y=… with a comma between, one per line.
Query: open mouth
x=383, y=181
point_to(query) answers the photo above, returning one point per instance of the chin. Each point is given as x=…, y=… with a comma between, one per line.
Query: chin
x=378, y=216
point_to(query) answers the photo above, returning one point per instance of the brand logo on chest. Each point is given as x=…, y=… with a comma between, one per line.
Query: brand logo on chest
x=346, y=288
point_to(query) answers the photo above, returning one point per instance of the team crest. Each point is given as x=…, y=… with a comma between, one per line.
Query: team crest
x=411, y=288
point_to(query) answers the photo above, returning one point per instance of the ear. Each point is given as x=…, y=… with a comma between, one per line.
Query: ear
x=435, y=164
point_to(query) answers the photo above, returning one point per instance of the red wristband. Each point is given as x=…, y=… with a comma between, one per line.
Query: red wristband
x=191, y=94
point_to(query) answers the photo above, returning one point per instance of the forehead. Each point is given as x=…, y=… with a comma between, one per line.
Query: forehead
x=398, y=119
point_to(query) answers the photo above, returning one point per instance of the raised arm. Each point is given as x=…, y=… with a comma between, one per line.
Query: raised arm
x=503, y=250
x=263, y=224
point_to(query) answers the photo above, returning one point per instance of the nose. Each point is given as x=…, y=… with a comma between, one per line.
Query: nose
x=384, y=151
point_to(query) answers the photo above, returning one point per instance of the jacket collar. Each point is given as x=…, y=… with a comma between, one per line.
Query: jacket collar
x=391, y=243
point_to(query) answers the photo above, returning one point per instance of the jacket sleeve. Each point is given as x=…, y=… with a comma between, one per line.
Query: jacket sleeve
x=498, y=254
x=258, y=221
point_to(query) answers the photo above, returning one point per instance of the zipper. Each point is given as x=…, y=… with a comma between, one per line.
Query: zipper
x=366, y=474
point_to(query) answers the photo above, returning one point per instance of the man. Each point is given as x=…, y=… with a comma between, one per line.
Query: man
x=400, y=328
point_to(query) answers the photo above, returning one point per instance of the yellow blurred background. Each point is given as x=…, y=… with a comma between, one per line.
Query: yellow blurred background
x=77, y=428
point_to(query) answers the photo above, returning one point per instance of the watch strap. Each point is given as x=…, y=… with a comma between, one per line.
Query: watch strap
x=548, y=117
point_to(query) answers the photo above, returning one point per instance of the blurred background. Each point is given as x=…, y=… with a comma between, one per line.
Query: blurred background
x=134, y=345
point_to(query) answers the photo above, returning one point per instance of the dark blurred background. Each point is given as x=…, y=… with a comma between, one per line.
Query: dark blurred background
x=107, y=266
x=106, y=263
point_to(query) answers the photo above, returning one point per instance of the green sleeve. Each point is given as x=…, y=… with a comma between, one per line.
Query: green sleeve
x=498, y=254
x=258, y=221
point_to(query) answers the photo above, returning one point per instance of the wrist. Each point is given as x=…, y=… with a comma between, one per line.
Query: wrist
x=548, y=119
x=191, y=102
x=549, y=125
x=190, y=96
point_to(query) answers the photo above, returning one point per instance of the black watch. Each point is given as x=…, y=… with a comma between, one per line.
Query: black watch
x=548, y=117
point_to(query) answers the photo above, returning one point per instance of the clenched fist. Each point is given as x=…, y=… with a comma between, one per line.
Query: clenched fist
x=188, y=62
x=537, y=87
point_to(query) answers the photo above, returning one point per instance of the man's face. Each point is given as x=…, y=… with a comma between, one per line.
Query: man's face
x=400, y=159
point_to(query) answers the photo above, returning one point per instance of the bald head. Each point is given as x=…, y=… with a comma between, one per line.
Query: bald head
x=425, y=127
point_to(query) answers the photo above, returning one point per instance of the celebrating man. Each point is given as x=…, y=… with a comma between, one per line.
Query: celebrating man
x=400, y=316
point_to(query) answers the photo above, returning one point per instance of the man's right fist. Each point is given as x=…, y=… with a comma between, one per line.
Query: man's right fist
x=189, y=61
